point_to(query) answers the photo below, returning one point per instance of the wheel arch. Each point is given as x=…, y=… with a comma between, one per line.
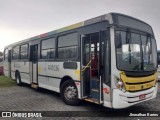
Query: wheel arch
x=64, y=79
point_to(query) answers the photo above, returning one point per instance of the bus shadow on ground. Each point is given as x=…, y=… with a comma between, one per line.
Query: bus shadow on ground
x=42, y=90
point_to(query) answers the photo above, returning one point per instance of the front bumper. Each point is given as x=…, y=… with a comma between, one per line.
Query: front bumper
x=123, y=100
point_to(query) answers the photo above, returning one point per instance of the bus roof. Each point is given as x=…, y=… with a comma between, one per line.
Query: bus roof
x=111, y=17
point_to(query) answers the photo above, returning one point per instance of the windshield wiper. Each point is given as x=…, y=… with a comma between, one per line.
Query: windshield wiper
x=128, y=41
x=149, y=47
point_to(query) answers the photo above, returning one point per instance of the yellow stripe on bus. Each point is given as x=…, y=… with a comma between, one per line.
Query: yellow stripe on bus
x=39, y=70
x=77, y=72
x=70, y=27
x=138, y=83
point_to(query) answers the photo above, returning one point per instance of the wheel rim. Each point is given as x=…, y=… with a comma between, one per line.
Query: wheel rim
x=70, y=93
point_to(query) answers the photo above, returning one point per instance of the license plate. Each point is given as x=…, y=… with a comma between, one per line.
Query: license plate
x=142, y=96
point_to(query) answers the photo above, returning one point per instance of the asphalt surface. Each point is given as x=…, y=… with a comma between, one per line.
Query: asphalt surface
x=24, y=98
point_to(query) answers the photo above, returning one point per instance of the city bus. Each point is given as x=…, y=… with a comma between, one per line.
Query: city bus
x=158, y=60
x=110, y=60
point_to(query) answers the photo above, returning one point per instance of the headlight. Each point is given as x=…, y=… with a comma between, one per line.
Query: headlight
x=119, y=84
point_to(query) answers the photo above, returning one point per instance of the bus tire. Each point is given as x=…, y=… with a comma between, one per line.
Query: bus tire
x=69, y=93
x=18, y=79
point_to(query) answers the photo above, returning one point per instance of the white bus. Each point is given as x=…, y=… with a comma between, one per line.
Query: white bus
x=109, y=60
x=158, y=60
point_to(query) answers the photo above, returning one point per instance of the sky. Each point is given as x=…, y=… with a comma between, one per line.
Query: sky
x=22, y=19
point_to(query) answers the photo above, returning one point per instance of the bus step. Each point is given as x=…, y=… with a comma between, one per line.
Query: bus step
x=95, y=93
x=84, y=97
x=95, y=84
x=35, y=86
x=93, y=100
x=95, y=90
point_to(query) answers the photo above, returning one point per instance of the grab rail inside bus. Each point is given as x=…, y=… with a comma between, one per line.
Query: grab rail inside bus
x=86, y=66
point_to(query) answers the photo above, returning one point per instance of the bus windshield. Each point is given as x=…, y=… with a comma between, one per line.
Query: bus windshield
x=133, y=23
x=135, y=52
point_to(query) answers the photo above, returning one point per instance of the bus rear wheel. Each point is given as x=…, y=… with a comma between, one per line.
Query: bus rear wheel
x=18, y=79
x=69, y=93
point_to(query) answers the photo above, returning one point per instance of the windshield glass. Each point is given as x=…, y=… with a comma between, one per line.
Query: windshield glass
x=133, y=23
x=135, y=52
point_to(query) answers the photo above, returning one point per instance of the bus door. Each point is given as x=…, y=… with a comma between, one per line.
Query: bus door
x=90, y=73
x=34, y=63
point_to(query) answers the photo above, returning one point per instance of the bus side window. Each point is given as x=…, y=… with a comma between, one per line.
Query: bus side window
x=24, y=51
x=15, y=55
x=68, y=46
x=48, y=48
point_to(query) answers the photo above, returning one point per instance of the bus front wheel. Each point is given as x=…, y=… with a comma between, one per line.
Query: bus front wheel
x=69, y=93
x=18, y=79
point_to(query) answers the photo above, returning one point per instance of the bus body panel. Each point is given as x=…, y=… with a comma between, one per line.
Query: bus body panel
x=23, y=68
x=138, y=83
x=56, y=69
x=107, y=92
x=49, y=83
x=6, y=68
x=50, y=75
x=123, y=100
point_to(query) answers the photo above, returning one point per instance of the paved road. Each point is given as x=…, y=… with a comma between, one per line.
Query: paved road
x=24, y=98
